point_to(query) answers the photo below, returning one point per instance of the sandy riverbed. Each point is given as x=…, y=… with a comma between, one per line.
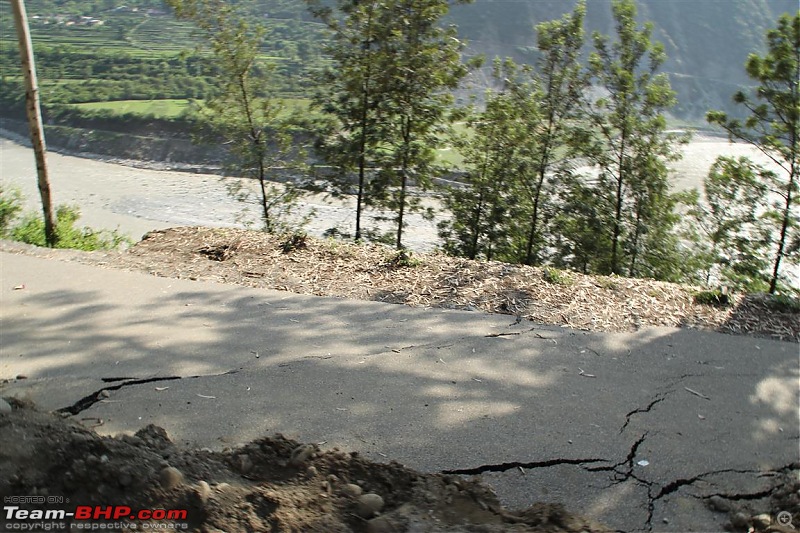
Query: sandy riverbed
x=137, y=200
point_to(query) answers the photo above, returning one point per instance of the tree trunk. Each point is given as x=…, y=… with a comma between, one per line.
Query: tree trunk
x=621, y=176
x=34, y=113
x=366, y=94
x=773, y=282
x=407, y=125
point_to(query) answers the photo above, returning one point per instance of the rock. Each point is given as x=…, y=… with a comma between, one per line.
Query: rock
x=719, y=504
x=245, y=464
x=368, y=505
x=103, y=394
x=5, y=407
x=125, y=479
x=301, y=454
x=170, y=477
x=380, y=524
x=762, y=521
x=352, y=490
x=739, y=521
x=203, y=491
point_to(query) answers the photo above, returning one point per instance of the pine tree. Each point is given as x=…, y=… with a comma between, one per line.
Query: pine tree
x=241, y=114
x=350, y=91
x=735, y=238
x=773, y=126
x=420, y=68
x=629, y=145
x=484, y=208
x=559, y=82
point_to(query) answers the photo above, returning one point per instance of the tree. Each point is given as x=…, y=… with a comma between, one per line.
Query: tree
x=628, y=142
x=773, y=126
x=34, y=113
x=419, y=69
x=350, y=92
x=242, y=114
x=559, y=82
x=483, y=208
x=734, y=237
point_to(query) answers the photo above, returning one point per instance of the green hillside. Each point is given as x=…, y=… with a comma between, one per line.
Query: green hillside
x=707, y=41
x=99, y=50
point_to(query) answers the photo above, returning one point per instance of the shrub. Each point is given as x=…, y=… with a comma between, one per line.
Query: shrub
x=717, y=298
x=556, y=277
x=294, y=241
x=30, y=230
x=404, y=259
x=10, y=208
x=783, y=303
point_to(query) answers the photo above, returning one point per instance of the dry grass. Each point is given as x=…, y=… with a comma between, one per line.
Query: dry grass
x=374, y=272
x=371, y=272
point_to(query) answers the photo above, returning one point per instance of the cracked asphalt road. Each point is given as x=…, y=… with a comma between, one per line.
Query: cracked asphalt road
x=635, y=429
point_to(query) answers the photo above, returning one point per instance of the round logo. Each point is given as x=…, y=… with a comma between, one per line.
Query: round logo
x=784, y=518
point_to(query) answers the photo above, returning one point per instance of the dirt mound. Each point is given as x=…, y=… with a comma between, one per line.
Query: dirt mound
x=271, y=484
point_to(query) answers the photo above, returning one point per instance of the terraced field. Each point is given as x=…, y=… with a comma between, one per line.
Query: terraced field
x=122, y=54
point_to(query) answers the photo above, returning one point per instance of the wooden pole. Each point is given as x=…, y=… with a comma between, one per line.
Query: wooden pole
x=34, y=113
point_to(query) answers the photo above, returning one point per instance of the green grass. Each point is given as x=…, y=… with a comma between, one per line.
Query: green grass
x=156, y=108
x=170, y=108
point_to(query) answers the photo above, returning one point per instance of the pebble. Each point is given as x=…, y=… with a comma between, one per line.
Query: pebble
x=170, y=477
x=762, y=521
x=245, y=464
x=368, y=505
x=312, y=471
x=380, y=524
x=352, y=490
x=301, y=454
x=203, y=491
x=719, y=504
x=739, y=521
x=5, y=407
x=103, y=394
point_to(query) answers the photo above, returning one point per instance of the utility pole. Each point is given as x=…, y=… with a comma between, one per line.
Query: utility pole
x=34, y=113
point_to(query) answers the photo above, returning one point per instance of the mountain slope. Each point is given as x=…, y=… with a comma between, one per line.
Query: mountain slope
x=706, y=41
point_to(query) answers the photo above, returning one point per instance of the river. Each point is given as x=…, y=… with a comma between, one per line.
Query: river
x=137, y=200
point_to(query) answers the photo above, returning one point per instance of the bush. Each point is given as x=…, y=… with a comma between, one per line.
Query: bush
x=783, y=303
x=10, y=208
x=716, y=298
x=293, y=242
x=30, y=230
x=404, y=259
x=556, y=277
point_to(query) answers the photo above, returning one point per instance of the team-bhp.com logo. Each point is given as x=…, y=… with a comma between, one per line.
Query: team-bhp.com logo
x=87, y=517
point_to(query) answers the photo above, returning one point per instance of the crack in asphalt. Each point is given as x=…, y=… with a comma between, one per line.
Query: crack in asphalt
x=88, y=401
x=504, y=467
x=658, y=399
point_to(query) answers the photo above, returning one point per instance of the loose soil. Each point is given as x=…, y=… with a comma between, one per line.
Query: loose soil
x=271, y=484
x=277, y=484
